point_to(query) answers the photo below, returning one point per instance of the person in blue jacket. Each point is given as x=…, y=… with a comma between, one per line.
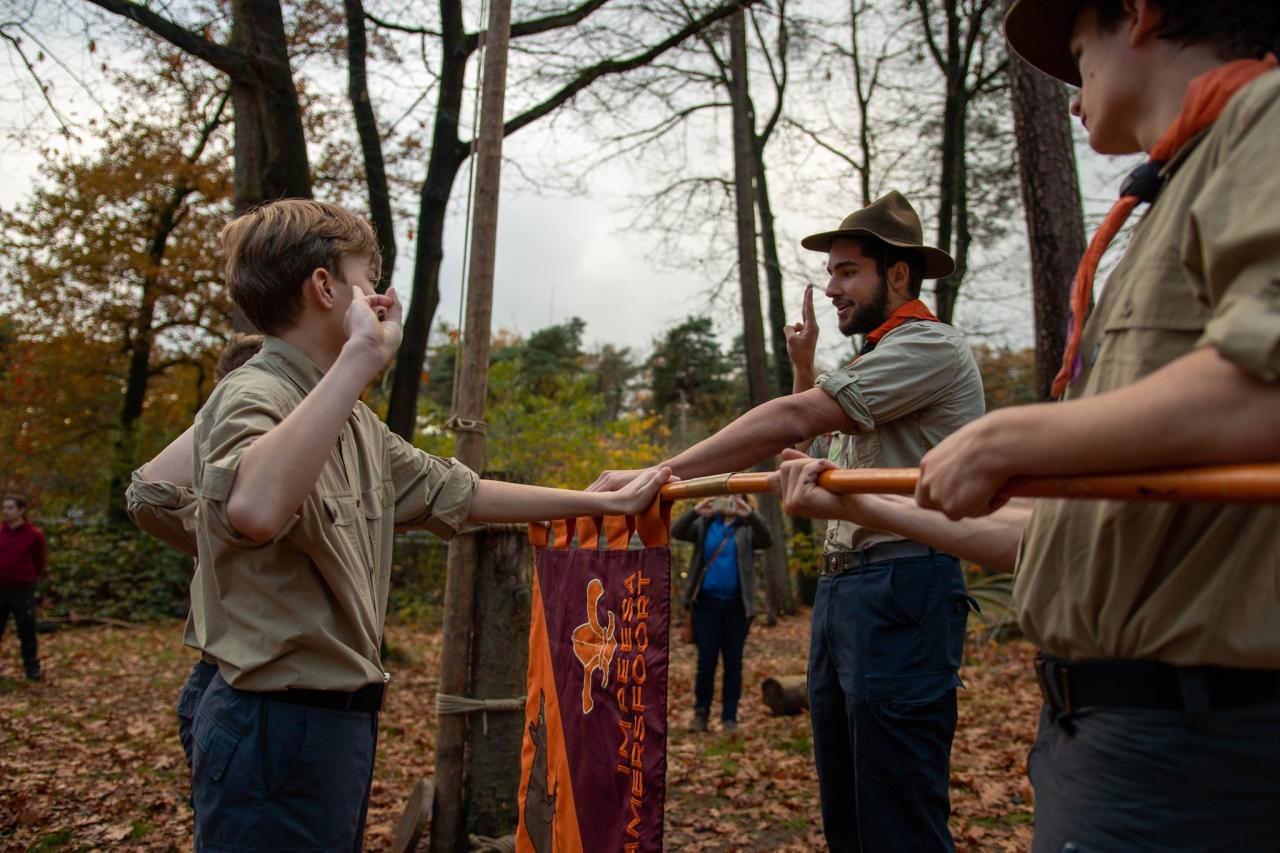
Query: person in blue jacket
x=721, y=591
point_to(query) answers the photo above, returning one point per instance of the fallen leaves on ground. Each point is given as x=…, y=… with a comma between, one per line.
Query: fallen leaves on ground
x=90, y=759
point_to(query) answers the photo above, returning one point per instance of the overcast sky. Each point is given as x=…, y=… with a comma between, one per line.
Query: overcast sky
x=561, y=256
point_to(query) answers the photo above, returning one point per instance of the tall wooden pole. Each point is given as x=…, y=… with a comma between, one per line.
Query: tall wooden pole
x=448, y=822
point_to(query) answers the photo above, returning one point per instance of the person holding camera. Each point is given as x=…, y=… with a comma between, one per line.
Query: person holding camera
x=720, y=595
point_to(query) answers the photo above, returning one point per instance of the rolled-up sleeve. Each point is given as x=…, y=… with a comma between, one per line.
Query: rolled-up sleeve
x=909, y=368
x=226, y=428
x=163, y=510
x=1233, y=240
x=430, y=493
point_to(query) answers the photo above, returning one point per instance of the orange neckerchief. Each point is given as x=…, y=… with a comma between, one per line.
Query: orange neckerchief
x=1206, y=97
x=913, y=310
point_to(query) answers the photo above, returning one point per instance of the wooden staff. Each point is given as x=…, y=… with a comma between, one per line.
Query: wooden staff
x=1247, y=484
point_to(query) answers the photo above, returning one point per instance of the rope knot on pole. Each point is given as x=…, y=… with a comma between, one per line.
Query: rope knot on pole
x=461, y=424
x=449, y=704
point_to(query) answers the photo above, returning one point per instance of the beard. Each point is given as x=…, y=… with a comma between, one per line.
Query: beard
x=865, y=318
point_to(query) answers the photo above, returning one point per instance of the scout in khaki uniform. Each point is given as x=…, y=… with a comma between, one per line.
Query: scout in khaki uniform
x=1159, y=623
x=889, y=618
x=298, y=487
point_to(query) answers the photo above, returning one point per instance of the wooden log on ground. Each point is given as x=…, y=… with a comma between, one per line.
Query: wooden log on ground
x=415, y=822
x=786, y=695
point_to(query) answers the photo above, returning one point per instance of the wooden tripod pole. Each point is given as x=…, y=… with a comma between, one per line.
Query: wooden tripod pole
x=1253, y=484
x=448, y=833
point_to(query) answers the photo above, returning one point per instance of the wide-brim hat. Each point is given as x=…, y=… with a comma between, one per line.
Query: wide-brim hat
x=1040, y=32
x=890, y=219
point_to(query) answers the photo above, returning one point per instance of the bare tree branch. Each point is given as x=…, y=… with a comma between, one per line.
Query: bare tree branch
x=40, y=84
x=545, y=24
x=618, y=66
x=398, y=27
x=229, y=61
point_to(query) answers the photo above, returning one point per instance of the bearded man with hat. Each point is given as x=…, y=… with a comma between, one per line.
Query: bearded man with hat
x=1158, y=622
x=890, y=613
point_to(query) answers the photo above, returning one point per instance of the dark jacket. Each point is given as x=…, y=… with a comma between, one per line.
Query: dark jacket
x=749, y=535
x=21, y=554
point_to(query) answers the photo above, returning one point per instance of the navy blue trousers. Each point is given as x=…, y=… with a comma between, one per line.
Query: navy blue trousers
x=887, y=641
x=720, y=631
x=1147, y=780
x=273, y=775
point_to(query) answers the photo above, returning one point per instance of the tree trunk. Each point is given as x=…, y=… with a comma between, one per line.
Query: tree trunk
x=863, y=96
x=773, y=274
x=499, y=665
x=375, y=170
x=268, y=101
x=1051, y=202
x=449, y=821
x=775, y=559
x=952, y=156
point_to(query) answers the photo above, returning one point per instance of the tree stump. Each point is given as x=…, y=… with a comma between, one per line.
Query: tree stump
x=786, y=695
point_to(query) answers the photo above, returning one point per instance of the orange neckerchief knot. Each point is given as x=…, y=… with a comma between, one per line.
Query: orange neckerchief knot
x=1206, y=97
x=913, y=310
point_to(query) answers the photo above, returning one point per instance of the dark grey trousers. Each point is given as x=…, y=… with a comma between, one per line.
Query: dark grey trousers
x=1136, y=780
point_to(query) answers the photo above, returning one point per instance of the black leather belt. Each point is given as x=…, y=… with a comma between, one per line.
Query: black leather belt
x=839, y=562
x=367, y=698
x=1069, y=685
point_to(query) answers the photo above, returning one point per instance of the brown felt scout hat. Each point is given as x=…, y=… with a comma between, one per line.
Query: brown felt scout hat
x=1040, y=32
x=893, y=220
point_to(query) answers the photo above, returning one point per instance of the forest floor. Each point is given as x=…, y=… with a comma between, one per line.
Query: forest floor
x=90, y=758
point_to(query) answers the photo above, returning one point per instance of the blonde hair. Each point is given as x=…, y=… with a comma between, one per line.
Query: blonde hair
x=271, y=249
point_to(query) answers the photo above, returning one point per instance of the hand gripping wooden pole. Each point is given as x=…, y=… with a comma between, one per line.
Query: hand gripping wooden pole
x=1249, y=484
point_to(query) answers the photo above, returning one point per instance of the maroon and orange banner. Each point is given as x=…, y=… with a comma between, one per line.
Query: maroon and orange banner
x=594, y=762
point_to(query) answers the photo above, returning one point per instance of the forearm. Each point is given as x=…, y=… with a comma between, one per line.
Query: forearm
x=1198, y=410
x=173, y=464
x=498, y=502
x=991, y=541
x=282, y=466
x=761, y=433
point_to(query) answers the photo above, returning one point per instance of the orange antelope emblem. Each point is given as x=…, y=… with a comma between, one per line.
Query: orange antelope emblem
x=593, y=645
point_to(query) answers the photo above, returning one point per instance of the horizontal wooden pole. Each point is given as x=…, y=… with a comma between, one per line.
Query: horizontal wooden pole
x=1251, y=484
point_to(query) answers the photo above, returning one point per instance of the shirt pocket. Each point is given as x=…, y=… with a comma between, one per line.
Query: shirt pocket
x=1144, y=334
x=349, y=534
x=866, y=449
x=374, y=504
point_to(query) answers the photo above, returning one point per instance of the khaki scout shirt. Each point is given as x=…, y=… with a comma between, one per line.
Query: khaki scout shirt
x=918, y=385
x=306, y=610
x=1189, y=584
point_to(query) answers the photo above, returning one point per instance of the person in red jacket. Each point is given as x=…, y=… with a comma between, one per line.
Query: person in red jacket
x=21, y=564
